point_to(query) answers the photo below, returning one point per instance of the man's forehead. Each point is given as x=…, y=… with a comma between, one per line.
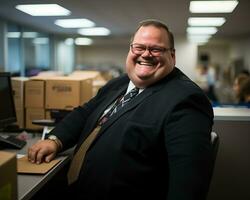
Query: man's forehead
x=151, y=32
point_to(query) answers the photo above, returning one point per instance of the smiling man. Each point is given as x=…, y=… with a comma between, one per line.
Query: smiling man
x=152, y=55
x=147, y=132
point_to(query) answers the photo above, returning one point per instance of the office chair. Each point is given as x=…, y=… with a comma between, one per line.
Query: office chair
x=215, y=144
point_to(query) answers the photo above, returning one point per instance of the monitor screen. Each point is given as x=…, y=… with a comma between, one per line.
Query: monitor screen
x=7, y=107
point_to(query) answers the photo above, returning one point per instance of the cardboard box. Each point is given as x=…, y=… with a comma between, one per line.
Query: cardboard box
x=20, y=114
x=47, y=114
x=18, y=84
x=35, y=93
x=99, y=78
x=95, y=75
x=49, y=73
x=8, y=174
x=106, y=75
x=34, y=114
x=67, y=92
x=87, y=74
x=97, y=84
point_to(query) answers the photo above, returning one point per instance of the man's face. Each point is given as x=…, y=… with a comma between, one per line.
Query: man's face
x=148, y=68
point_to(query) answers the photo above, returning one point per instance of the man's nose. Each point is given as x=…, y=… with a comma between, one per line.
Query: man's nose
x=146, y=53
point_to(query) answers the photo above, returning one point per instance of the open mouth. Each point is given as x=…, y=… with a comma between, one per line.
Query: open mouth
x=146, y=63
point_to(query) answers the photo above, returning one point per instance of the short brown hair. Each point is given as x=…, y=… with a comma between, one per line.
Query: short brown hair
x=245, y=87
x=158, y=24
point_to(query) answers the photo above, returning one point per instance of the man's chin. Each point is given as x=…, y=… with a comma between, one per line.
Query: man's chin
x=142, y=81
x=143, y=77
x=145, y=74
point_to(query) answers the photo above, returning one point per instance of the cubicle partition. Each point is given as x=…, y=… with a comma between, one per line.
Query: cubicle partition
x=231, y=178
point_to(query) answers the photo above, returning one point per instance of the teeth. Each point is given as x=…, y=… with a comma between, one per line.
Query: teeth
x=145, y=63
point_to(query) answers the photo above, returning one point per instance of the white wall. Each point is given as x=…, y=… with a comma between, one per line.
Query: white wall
x=186, y=56
x=98, y=56
x=219, y=53
x=241, y=49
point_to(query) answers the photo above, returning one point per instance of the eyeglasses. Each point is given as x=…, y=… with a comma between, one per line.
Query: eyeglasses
x=139, y=49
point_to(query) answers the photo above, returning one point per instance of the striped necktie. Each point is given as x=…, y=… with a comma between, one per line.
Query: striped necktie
x=120, y=103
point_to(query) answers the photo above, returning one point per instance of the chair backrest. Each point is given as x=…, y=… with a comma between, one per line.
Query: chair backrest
x=215, y=144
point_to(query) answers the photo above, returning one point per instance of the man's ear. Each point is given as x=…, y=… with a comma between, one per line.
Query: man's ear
x=173, y=55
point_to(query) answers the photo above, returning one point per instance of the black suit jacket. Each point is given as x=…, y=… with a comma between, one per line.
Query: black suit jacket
x=157, y=147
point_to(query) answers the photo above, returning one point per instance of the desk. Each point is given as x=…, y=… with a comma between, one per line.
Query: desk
x=29, y=185
x=231, y=114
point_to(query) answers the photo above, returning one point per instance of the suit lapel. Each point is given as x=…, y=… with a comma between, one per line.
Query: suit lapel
x=134, y=103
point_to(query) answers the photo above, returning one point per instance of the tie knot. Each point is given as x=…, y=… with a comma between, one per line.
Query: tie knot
x=135, y=90
x=132, y=93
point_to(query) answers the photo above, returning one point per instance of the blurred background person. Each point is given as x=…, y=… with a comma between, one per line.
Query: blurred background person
x=206, y=77
x=224, y=88
x=240, y=86
x=244, y=91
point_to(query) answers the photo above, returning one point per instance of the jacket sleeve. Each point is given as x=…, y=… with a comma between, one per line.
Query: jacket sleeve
x=187, y=142
x=70, y=128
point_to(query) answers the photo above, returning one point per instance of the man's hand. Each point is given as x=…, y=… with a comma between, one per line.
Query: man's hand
x=43, y=150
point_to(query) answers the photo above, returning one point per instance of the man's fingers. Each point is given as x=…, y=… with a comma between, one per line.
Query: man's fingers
x=43, y=150
x=32, y=154
x=49, y=157
x=40, y=155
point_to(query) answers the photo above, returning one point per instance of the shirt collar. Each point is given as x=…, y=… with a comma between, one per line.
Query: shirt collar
x=131, y=86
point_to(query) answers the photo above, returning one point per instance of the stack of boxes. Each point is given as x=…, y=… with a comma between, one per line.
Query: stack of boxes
x=35, y=101
x=18, y=84
x=42, y=94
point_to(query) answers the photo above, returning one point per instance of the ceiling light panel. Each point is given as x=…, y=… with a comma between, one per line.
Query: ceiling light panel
x=206, y=21
x=83, y=41
x=30, y=34
x=96, y=31
x=74, y=23
x=69, y=41
x=13, y=34
x=41, y=41
x=202, y=30
x=43, y=9
x=212, y=6
x=198, y=40
x=199, y=37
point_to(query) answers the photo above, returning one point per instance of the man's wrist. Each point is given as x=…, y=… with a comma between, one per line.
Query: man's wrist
x=56, y=140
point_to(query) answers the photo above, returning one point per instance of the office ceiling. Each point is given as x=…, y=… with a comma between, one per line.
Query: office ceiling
x=121, y=16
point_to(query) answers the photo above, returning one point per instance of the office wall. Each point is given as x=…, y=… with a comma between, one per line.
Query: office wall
x=240, y=48
x=101, y=55
x=219, y=53
x=225, y=52
x=186, y=56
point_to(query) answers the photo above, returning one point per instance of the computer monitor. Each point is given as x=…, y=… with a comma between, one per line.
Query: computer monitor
x=7, y=107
